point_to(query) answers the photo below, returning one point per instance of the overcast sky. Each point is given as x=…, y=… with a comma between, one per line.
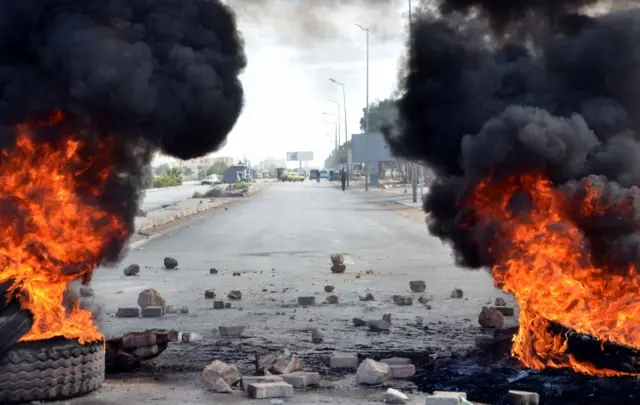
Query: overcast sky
x=293, y=48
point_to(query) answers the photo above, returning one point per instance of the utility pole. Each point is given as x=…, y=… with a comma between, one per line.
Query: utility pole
x=344, y=106
x=366, y=110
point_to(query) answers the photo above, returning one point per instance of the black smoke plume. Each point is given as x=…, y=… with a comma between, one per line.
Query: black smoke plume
x=494, y=89
x=146, y=75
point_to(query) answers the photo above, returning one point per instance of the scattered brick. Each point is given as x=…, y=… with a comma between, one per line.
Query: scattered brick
x=235, y=295
x=457, y=293
x=306, y=301
x=346, y=361
x=395, y=397
x=332, y=299
x=128, y=312
x=396, y=361
x=523, y=398
x=446, y=398
x=367, y=297
x=213, y=271
x=270, y=390
x=259, y=379
x=500, y=302
x=230, y=331
x=371, y=372
x=506, y=311
x=317, y=337
x=403, y=371
x=379, y=325
x=170, y=263
x=403, y=301
x=301, y=379
x=131, y=270
x=417, y=286
x=150, y=298
x=218, y=304
x=386, y=317
x=152, y=312
x=210, y=294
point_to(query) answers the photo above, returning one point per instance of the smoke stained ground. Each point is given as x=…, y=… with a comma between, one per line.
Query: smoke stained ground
x=138, y=75
x=499, y=89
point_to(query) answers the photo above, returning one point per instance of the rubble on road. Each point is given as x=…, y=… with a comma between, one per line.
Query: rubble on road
x=301, y=379
x=396, y=361
x=337, y=258
x=246, y=380
x=230, y=331
x=128, y=312
x=124, y=353
x=386, y=317
x=270, y=390
x=457, y=293
x=332, y=299
x=338, y=268
x=506, y=311
x=371, y=372
x=402, y=300
x=218, y=304
x=491, y=318
x=379, y=325
x=220, y=377
x=367, y=297
x=170, y=263
x=483, y=341
x=423, y=299
x=343, y=361
x=500, y=302
x=357, y=322
x=152, y=312
x=184, y=309
x=419, y=321
x=446, y=398
x=131, y=270
x=329, y=288
x=402, y=370
x=213, y=271
x=417, y=286
x=237, y=274
x=235, y=295
x=150, y=298
x=280, y=362
x=317, y=336
x=210, y=294
x=306, y=301
x=395, y=397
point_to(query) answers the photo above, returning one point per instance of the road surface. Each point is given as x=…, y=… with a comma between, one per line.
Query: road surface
x=280, y=240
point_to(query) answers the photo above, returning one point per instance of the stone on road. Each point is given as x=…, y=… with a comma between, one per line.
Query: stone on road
x=371, y=372
x=150, y=298
x=220, y=377
x=395, y=397
x=523, y=398
x=345, y=361
x=270, y=390
x=131, y=270
x=170, y=263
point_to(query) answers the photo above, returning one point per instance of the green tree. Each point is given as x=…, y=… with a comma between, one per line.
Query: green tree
x=332, y=160
x=380, y=112
x=187, y=171
x=161, y=170
x=217, y=168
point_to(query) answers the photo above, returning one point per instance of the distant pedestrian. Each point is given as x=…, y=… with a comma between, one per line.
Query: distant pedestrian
x=343, y=178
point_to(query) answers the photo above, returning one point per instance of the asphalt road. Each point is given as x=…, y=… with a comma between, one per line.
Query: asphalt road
x=280, y=240
x=156, y=198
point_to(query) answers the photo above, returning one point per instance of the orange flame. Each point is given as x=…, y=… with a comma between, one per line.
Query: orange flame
x=547, y=266
x=52, y=235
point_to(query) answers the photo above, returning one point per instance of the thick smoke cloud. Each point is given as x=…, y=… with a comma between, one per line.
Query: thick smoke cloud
x=496, y=89
x=146, y=74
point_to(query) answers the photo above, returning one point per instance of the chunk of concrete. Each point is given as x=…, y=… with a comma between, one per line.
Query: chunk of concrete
x=367, y=297
x=230, y=331
x=500, y=302
x=270, y=390
x=150, y=298
x=306, y=301
x=210, y=294
x=402, y=300
x=332, y=299
x=506, y=311
x=357, y=322
x=152, y=312
x=396, y=361
x=337, y=258
x=329, y=288
x=218, y=304
x=344, y=361
x=386, y=317
x=483, y=341
x=301, y=379
x=235, y=295
x=403, y=371
x=128, y=312
x=220, y=377
x=371, y=372
x=131, y=270
x=379, y=325
x=446, y=398
x=523, y=398
x=131, y=340
x=338, y=268
x=244, y=383
x=280, y=362
x=457, y=293
x=395, y=397
x=417, y=286
x=317, y=336
x=491, y=318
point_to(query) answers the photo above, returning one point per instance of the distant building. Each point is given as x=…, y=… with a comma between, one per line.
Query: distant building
x=235, y=173
x=271, y=164
x=229, y=161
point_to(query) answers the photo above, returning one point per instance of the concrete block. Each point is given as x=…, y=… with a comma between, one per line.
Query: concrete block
x=396, y=361
x=131, y=340
x=345, y=361
x=446, y=398
x=218, y=304
x=306, y=301
x=395, y=397
x=230, y=331
x=246, y=381
x=506, y=311
x=270, y=390
x=370, y=372
x=402, y=300
x=301, y=379
x=210, y=294
x=403, y=371
x=152, y=312
x=523, y=398
x=129, y=312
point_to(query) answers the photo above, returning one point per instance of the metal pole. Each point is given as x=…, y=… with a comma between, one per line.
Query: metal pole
x=414, y=171
x=367, y=100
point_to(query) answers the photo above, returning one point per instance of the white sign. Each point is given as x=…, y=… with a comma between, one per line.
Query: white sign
x=299, y=156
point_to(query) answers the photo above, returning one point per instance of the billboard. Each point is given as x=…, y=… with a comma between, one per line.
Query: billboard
x=370, y=147
x=299, y=156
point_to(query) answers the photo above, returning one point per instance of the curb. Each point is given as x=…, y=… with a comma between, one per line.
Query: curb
x=185, y=213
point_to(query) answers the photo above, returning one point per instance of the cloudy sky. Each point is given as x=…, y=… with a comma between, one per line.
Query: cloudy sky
x=293, y=48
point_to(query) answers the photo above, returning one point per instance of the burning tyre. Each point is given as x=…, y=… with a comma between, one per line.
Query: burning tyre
x=50, y=369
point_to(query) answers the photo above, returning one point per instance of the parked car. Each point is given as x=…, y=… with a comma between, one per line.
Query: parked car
x=211, y=180
x=291, y=176
x=324, y=174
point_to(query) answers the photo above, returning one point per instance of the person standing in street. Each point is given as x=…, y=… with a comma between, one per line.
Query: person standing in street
x=343, y=178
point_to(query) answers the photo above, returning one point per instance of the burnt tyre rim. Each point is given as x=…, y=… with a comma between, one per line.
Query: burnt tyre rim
x=50, y=369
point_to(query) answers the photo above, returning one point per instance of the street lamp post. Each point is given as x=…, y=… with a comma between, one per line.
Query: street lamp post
x=338, y=115
x=414, y=171
x=366, y=111
x=344, y=106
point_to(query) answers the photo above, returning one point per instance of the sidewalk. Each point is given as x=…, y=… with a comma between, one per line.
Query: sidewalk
x=395, y=193
x=186, y=208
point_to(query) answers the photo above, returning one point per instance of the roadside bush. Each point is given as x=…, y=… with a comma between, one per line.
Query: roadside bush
x=211, y=193
x=167, y=181
x=241, y=186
